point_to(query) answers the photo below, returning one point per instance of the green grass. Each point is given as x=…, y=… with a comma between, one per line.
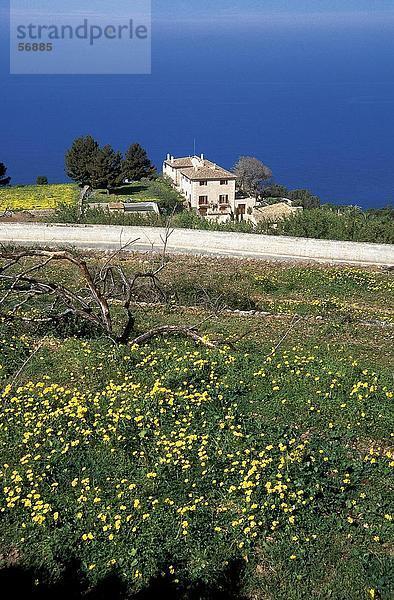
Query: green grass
x=157, y=190
x=209, y=469
x=343, y=293
x=137, y=192
x=346, y=292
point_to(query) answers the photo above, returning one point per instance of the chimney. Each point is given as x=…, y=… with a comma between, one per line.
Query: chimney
x=168, y=157
x=202, y=157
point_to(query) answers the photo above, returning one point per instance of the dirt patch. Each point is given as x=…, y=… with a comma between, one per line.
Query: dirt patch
x=25, y=216
x=10, y=559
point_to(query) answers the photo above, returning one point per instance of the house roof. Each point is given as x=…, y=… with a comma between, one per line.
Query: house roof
x=198, y=168
x=202, y=169
x=274, y=212
x=178, y=163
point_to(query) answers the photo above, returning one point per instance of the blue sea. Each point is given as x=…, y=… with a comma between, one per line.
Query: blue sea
x=314, y=101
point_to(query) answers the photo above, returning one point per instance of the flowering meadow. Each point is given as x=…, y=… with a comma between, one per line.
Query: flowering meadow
x=340, y=292
x=187, y=460
x=258, y=470
x=37, y=197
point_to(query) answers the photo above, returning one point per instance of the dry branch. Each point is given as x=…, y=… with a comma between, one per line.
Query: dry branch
x=166, y=330
x=21, y=283
x=295, y=320
x=26, y=362
x=92, y=302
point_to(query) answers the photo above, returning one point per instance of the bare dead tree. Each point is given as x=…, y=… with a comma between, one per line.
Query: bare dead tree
x=22, y=285
x=28, y=288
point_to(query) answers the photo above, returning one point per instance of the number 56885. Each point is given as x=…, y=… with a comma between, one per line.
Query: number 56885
x=41, y=47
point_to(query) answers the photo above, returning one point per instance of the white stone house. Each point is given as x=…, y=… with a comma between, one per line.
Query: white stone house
x=208, y=189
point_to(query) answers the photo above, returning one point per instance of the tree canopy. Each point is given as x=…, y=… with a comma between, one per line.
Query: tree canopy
x=81, y=159
x=3, y=179
x=252, y=174
x=104, y=168
x=106, y=172
x=137, y=165
x=275, y=190
x=304, y=198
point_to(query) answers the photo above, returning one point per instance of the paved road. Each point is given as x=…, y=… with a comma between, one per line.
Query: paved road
x=189, y=241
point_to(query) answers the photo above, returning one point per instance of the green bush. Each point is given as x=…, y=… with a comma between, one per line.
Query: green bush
x=328, y=224
x=169, y=199
x=320, y=223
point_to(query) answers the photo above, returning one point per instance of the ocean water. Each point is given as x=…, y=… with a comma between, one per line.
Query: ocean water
x=314, y=101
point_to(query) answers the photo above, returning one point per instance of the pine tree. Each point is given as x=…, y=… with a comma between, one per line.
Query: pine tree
x=136, y=164
x=3, y=179
x=106, y=170
x=81, y=158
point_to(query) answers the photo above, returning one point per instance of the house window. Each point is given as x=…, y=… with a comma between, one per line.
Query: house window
x=224, y=182
x=203, y=182
x=202, y=200
x=223, y=199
